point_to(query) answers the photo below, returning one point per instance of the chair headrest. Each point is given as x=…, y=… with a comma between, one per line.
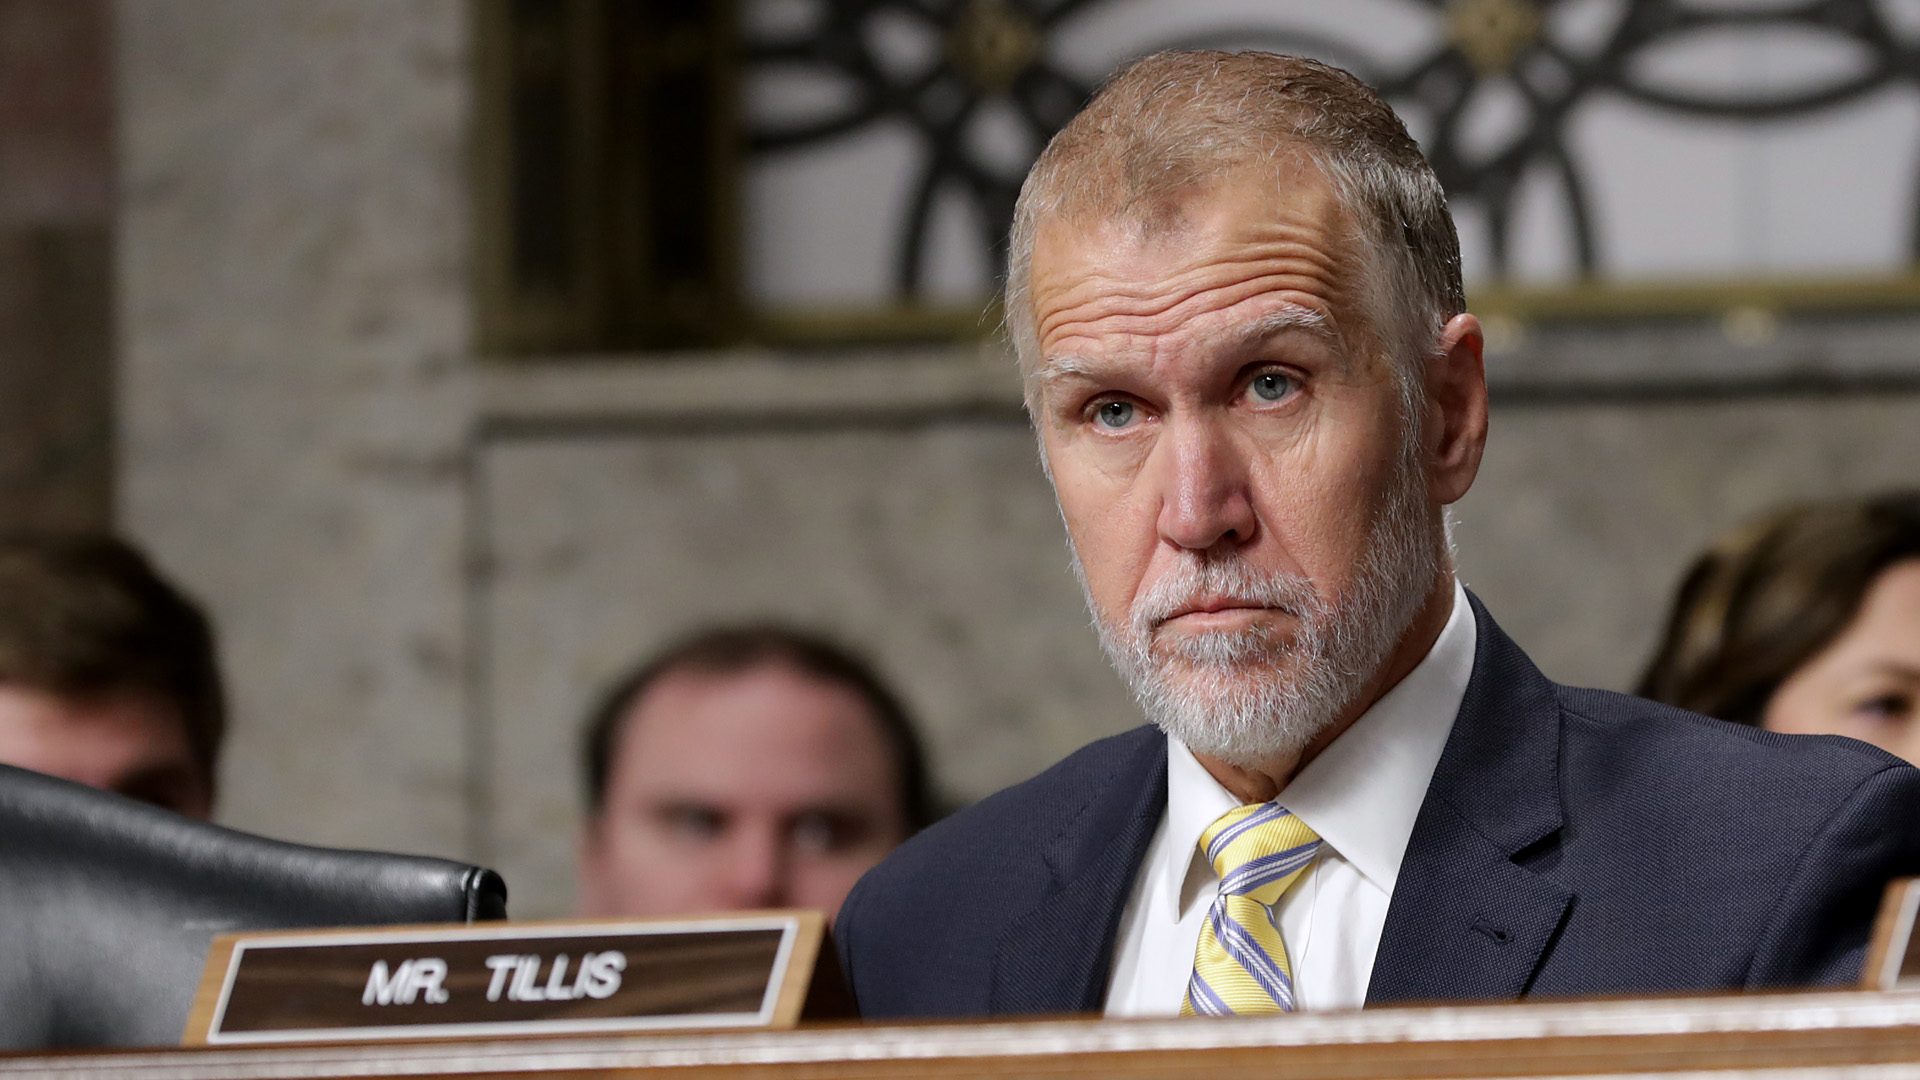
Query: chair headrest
x=111, y=905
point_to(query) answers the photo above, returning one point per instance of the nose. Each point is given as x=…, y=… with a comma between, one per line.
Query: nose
x=1206, y=502
x=757, y=872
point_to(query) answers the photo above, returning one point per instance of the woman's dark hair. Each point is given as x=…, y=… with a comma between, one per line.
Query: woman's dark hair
x=1772, y=595
x=728, y=650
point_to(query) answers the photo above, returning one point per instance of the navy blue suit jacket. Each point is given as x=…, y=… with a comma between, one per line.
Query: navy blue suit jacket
x=1572, y=842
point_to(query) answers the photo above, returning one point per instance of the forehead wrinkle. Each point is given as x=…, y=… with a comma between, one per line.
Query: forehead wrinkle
x=1300, y=267
x=1302, y=248
x=1165, y=318
x=1103, y=279
x=1283, y=317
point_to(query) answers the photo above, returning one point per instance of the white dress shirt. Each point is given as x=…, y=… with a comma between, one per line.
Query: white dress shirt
x=1361, y=794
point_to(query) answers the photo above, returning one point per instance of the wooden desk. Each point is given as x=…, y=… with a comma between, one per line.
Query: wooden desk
x=1815, y=1036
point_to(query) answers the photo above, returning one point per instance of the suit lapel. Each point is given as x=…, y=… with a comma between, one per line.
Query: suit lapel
x=1466, y=920
x=1055, y=958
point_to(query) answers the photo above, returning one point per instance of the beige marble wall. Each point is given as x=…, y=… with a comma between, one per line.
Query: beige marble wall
x=934, y=548
x=424, y=565
x=293, y=323
x=1585, y=516
x=934, y=544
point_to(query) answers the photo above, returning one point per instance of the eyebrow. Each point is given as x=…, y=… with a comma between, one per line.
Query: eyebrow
x=1058, y=369
x=1898, y=669
x=1286, y=316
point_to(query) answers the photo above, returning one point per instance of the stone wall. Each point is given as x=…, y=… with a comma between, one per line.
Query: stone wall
x=623, y=507
x=425, y=565
x=293, y=318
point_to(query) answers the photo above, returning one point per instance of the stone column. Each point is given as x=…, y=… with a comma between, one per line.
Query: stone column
x=293, y=322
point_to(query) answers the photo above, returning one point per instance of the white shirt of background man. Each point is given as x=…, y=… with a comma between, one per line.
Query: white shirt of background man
x=1361, y=794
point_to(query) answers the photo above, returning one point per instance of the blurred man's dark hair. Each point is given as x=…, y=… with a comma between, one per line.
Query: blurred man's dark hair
x=734, y=649
x=89, y=620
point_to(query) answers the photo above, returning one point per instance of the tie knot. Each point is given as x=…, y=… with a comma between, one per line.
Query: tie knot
x=1258, y=850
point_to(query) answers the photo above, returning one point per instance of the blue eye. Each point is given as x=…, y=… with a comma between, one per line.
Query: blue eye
x=1115, y=414
x=1271, y=386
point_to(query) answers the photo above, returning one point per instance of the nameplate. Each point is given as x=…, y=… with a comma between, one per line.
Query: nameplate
x=1893, y=953
x=764, y=969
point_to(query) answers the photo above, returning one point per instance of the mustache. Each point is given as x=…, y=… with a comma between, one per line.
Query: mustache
x=1196, y=580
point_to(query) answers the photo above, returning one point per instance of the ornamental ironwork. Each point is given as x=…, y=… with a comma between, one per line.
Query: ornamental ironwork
x=999, y=50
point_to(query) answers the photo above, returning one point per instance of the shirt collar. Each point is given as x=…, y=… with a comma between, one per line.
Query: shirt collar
x=1363, y=792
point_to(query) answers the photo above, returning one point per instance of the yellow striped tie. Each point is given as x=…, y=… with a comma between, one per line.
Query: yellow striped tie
x=1241, y=965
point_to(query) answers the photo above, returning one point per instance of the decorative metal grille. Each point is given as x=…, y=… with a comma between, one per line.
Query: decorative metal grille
x=1000, y=49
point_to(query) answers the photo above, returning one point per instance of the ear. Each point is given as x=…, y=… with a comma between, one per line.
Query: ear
x=1456, y=433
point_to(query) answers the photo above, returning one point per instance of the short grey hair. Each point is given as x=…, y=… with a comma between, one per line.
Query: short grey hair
x=1168, y=122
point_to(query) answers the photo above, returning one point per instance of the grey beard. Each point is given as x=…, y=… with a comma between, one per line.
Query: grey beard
x=1248, y=696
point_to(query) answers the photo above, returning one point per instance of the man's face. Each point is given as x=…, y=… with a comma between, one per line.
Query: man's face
x=756, y=789
x=1244, y=495
x=127, y=743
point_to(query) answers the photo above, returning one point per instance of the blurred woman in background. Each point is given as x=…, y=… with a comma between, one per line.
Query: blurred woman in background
x=1806, y=621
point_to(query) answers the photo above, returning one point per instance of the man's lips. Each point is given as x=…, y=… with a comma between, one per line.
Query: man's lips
x=1222, y=607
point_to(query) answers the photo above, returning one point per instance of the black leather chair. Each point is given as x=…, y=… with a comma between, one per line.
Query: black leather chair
x=107, y=907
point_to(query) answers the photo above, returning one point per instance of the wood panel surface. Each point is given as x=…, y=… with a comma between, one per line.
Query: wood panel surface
x=1892, y=960
x=1854, y=1034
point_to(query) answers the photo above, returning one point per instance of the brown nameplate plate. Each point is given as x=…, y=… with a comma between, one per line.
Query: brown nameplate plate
x=1893, y=954
x=533, y=978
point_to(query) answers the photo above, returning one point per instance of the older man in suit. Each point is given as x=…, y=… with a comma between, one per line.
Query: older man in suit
x=1235, y=293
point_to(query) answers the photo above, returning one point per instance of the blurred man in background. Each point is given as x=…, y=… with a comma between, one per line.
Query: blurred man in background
x=108, y=674
x=752, y=767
